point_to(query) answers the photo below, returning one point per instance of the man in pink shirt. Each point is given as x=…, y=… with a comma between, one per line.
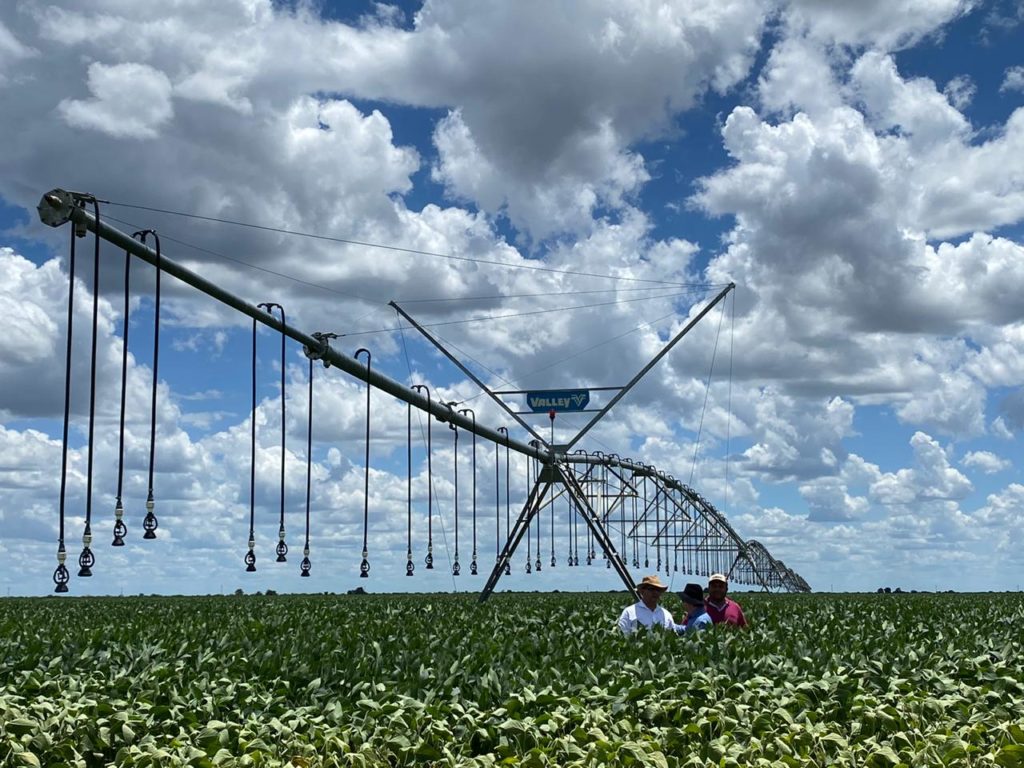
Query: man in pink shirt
x=720, y=608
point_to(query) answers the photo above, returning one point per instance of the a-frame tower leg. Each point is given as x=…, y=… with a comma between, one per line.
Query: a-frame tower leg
x=560, y=473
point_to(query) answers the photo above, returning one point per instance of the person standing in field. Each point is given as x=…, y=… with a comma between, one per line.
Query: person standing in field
x=646, y=612
x=697, y=615
x=722, y=609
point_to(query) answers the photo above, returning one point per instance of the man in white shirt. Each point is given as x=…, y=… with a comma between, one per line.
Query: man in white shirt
x=646, y=612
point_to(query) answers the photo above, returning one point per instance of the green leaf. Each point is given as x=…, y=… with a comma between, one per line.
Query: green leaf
x=1011, y=756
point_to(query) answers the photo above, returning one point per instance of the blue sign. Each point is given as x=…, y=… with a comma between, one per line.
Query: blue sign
x=561, y=400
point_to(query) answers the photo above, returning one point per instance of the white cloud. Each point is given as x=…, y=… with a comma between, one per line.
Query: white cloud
x=986, y=461
x=965, y=188
x=558, y=115
x=1012, y=410
x=826, y=217
x=879, y=23
x=955, y=406
x=798, y=76
x=913, y=107
x=1013, y=79
x=562, y=198
x=960, y=91
x=931, y=479
x=1003, y=520
x=1001, y=361
x=12, y=51
x=794, y=438
x=845, y=176
x=128, y=101
x=1000, y=429
x=828, y=500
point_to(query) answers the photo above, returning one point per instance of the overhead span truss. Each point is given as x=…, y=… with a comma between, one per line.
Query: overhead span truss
x=636, y=515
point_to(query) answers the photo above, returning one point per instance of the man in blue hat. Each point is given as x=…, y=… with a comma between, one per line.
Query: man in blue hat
x=697, y=615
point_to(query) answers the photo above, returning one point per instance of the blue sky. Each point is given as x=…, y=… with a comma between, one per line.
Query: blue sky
x=855, y=172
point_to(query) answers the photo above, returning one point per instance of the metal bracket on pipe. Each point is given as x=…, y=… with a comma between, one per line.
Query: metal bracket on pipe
x=56, y=208
x=319, y=352
x=451, y=409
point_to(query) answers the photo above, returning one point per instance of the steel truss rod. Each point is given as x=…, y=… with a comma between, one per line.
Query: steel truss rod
x=549, y=475
x=468, y=372
x=661, y=493
x=755, y=569
x=626, y=489
x=568, y=478
x=59, y=207
x=522, y=525
x=679, y=511
x=654, y=361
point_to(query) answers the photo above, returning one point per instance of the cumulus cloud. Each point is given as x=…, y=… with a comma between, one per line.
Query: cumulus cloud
x=1003, y=519
x=931, y=479
x=1013, y=79
x=832, y=214
x=562, y=197
x=1000, y=430
x=11, y=51
x=955, y=406
x=794, y=440
x=914, y=107
x=560, y=114
x=860, y=208
x=1012, y=410
x=128, y=100
x=985, y=461
x=888, y=26
x=960, y=91
x=828, y=500
x=798, y=76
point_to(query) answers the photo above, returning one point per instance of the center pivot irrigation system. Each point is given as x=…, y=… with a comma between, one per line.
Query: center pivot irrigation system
x=662, y=523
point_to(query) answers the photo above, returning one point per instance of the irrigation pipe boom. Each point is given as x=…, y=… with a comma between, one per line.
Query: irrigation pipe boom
x=59, y=207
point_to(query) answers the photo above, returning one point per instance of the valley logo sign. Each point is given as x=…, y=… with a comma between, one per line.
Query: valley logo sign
x=560, y=400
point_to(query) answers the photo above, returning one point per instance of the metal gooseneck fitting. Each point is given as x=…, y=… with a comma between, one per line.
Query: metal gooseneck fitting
x=508, y=495
x=86, y=560
x=150, y=523
x=568, y=526
x=497, y=505
x=429, y=559
x=529, y=540
x=473, y=566
x=647, y=559
x=120, y=530
x=306, y=565
x=313, y=354
x=60, y=573
x=456, y=568
x=410, y=567
x=250, y=554
x=364, y=566
x=282, y=547
x=536, y=475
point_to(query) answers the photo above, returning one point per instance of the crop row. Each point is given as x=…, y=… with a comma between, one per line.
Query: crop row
x=877, y=680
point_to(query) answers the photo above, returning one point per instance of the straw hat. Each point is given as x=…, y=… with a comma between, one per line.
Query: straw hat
x=652, y=582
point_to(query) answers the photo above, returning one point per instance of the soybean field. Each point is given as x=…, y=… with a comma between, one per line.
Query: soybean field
x=522, y=680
